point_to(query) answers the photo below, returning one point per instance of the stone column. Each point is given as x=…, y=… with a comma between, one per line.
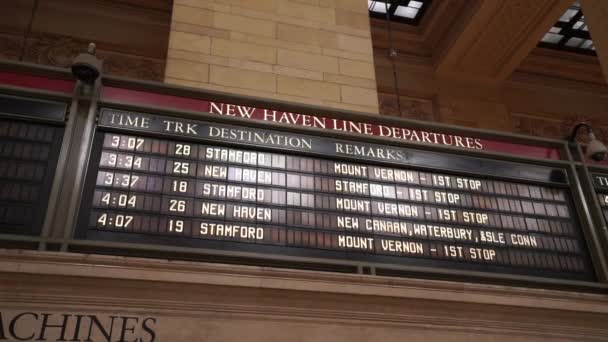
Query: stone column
x=311, y=52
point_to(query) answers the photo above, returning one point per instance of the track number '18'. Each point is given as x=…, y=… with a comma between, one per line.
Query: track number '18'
x=179, y=186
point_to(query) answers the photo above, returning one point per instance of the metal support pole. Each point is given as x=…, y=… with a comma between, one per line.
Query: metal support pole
x=91, y=95
x=62, y=161
x=592, y=198
x=593, y=235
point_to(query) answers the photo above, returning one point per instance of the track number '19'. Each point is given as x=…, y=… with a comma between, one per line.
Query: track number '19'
x=176, y=226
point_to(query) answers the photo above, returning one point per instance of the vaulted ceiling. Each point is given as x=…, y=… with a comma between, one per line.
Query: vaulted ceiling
x=490, y=41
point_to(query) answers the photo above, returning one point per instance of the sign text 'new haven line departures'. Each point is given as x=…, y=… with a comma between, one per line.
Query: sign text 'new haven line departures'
x=323, y=121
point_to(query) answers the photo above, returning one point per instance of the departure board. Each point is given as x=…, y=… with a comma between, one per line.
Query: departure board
x=600, y=182
x=31, y=132
x=162, y=180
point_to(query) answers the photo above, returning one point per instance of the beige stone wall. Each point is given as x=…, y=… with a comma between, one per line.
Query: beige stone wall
x=316, y=52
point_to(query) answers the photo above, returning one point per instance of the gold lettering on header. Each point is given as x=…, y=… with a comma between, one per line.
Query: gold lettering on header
x=130, y=120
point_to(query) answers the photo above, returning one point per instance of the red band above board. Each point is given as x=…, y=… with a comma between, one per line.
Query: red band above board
x=37, y=82
x=264, y=114
x=319, y=121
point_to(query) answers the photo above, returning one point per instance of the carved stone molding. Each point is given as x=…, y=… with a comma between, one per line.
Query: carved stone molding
x=558, y=127
x=10, y=46
x=133, y=66
x=53, y=50
x=192, y=294
x=60, y=51
x=411, y=108
x=538, y=126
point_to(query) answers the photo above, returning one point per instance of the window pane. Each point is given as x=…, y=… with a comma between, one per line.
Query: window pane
x=574, y=42
x=587, y=44
x=552, y=38
x=415, y=4
x=377, y=6
x=566, y=17
x=407, y=12
x=555, y=29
